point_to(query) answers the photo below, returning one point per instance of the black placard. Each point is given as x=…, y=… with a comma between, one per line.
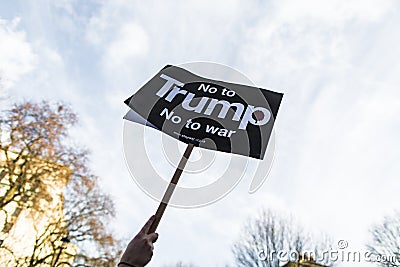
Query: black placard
x=212, y=114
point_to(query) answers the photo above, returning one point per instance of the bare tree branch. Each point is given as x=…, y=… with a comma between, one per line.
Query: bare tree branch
x=268, y=234
x=385, y=241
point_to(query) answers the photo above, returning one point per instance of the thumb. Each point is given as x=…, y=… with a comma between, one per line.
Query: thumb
x=152, y=237
x=146, y=227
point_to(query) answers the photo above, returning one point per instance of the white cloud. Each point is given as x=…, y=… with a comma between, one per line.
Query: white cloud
x=334, y=11
x=175, y=32
x=16, y=55
x=130, y=42
x=335, y=63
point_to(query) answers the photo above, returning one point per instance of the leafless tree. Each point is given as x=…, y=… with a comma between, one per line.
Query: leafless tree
x=385, y=242
x=269, y=240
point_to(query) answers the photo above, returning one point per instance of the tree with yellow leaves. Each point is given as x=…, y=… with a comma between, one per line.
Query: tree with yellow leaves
x=43, y=176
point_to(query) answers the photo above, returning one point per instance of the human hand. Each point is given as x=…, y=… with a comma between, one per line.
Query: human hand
x=140, y=250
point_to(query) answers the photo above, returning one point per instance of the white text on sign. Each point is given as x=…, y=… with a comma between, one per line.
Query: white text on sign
x=172, y=88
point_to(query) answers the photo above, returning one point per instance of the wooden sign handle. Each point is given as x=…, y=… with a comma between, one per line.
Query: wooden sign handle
x=170, y=189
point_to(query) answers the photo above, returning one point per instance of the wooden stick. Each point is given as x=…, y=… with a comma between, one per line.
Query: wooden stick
x=170, y=189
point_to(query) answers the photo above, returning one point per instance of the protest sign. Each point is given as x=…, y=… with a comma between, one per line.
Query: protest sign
x=211, y=114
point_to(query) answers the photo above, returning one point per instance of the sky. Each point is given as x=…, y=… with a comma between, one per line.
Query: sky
x=337, y=130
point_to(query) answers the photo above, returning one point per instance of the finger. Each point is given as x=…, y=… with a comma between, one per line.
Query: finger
x=151, y=245
x=152, y=237
x=146, y=227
